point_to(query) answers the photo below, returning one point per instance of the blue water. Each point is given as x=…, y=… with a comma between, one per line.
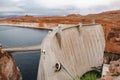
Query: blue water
x=26, y=61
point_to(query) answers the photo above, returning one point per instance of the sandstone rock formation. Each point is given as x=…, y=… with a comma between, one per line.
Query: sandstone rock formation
x=110, y=21
x=114, y=71
x=8, y=68
x=115, y=67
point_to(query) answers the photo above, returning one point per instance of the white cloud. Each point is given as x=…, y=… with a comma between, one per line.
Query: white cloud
x=58, y=7
x=15, y=0
x=11, y=9
x=75, y=3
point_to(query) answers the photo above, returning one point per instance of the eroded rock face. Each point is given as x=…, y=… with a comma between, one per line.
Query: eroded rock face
x=114, y=71
x=8, y=68
x=113, y=40
x=110, y=21
x=115, y=67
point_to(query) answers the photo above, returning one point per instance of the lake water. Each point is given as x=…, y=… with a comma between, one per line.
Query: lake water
x=26, y=61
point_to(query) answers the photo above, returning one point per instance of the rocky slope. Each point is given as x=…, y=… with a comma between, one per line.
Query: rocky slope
x=8, y=68
x=110, y=21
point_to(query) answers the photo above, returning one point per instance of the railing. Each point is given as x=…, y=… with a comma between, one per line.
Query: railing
x=22, y=49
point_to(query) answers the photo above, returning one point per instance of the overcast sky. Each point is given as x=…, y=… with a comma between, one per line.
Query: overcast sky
x=57, y=7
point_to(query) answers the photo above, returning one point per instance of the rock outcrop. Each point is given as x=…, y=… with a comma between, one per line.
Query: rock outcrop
x=8, y=68
x=112, y=34
x=110, y=21
x=115, y=67
x=113, y=71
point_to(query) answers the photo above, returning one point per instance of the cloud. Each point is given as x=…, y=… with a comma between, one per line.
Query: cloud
x=11, y=9
x=9, y=6
x=5, y=3
x=57, y=7
x=75, y=3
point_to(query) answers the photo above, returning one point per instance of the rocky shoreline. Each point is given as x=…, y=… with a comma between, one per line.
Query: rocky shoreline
x=24, y=25
x=8, y=68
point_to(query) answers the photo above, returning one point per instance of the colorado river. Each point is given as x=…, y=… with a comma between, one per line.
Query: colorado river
x=16, y=36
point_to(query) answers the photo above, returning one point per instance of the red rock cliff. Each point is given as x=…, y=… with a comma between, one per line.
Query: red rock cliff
x=110, y=21
x=8, y=68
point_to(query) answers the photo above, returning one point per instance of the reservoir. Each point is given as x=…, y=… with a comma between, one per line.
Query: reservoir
x=26, y=61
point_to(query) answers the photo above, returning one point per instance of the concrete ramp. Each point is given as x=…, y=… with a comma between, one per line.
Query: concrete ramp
x=71, y=50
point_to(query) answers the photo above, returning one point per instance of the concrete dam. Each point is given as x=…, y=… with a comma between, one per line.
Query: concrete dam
x=68, y=51
x=71, y=50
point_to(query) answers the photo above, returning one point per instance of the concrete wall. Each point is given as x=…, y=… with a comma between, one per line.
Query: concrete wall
x=70, y=51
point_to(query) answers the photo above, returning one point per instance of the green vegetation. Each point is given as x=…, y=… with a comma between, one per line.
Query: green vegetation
x=91, y=75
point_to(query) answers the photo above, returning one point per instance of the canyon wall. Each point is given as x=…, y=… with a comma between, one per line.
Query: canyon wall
x=110, y=21
x=8, y=68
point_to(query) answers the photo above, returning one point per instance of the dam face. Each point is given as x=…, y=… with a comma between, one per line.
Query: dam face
x=71, y=50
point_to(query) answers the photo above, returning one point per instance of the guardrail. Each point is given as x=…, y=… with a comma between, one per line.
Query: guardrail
x=22, y=49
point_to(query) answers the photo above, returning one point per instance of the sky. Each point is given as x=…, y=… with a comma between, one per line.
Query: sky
x=56, y=7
